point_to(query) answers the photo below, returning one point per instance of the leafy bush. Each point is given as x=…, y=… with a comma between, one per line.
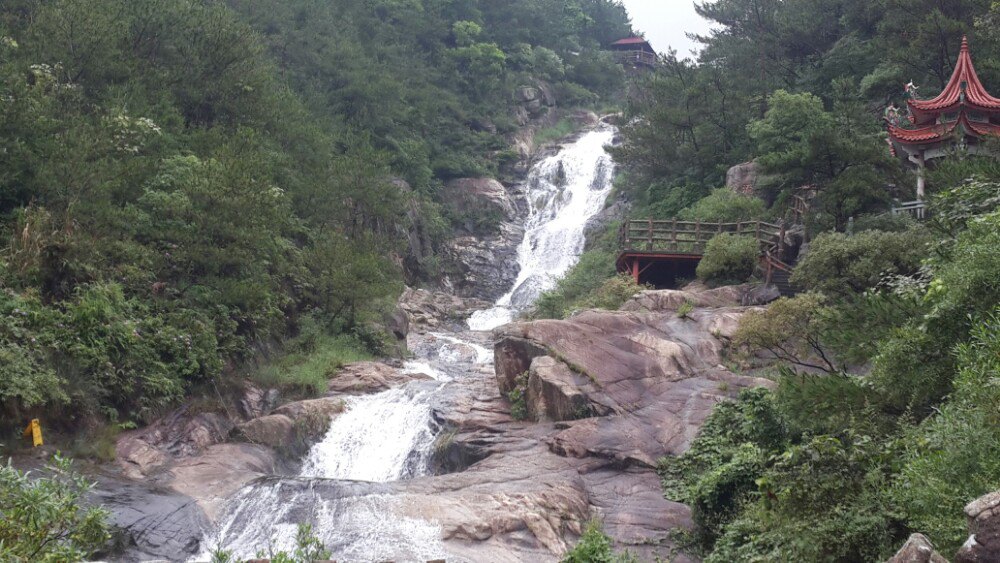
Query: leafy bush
x=954, y=456
x=916, y=364
x=42, y=519
x=728, y=259
x=726, y=206
x=309, y=370
x=595, y=547
x=518, y=398
x=839, y=264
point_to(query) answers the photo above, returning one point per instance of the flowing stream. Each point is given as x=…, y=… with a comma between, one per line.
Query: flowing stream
x=564, y=192
x=389, y=436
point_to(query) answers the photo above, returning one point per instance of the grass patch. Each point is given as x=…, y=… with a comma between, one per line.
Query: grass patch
x=563, y=128
x=307, y=371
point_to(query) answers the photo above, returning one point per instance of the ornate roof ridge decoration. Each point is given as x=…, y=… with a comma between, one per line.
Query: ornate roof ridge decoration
x=964, y=89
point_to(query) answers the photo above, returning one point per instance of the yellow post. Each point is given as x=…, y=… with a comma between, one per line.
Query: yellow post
x=34, y=431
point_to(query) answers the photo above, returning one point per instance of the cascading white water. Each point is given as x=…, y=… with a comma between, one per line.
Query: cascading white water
x=390, y=436
x=383, y=437
x=564, y=192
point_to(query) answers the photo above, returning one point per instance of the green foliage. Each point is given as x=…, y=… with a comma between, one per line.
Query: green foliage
x=182, y=182
x=728, y=259
x=561, y=129
x=308, y=548
x=518, y=398
x=312, y=360
x=42, y=518
x=717, y=474
x=684, y=309
x=839, y=264
x=595, y=547
x=954, y=456
x=725, y=206
x=790, y=330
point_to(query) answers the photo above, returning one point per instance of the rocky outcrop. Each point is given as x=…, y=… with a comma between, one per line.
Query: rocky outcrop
x=478, y=198
x=291, y=428
x=984, y=526
x=485, y=267
x=434, y=309
x=363, y=378
x=918, y=549
x=743, y=177
x=657, y=374
x=669, y=300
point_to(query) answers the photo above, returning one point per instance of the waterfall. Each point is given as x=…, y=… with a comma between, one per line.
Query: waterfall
x=383, y=437
x=564, y=192
x=345, y=485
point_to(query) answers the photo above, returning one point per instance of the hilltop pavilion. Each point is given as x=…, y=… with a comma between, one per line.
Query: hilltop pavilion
x=962, y=115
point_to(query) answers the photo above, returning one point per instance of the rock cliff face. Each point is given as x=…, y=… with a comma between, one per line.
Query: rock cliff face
x=607, y=394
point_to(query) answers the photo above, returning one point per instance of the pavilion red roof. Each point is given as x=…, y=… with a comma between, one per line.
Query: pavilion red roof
x=963, y=79
x=630, y=41
x=934, y=133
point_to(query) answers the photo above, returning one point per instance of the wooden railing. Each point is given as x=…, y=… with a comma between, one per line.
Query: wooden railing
x=915, y=209
x=636, y=57
x=690, y=237
x=649, y=237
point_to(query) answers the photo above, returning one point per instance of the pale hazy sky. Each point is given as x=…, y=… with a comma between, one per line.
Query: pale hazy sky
x=665, y=22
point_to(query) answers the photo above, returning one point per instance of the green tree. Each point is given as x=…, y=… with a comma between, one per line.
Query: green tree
x=44, y=518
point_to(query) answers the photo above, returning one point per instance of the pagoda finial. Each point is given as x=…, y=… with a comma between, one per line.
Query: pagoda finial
x=965, y=43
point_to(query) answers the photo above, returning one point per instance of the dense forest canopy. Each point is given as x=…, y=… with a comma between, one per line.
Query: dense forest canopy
x=184, y=182
x=842, y=61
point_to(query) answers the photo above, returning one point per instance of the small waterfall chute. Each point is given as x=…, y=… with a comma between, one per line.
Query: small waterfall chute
x=564, y=192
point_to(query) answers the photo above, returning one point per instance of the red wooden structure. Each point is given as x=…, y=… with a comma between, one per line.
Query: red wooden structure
x=660, y=253
x=635, y=52
x=962, y=114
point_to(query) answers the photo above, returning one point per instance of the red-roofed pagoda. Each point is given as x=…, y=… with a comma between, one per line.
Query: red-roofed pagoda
x=962, y=115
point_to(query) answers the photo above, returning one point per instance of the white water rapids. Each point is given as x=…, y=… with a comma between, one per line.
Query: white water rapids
x=345, y=486
x=564, y=192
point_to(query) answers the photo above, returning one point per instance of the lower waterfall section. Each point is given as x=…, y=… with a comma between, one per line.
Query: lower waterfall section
x=383, y=437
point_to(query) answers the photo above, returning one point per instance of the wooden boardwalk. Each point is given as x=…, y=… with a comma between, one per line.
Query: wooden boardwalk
x=662, y=252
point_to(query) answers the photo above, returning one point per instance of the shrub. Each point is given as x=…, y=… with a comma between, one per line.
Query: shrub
x=309, y=369
x=729, y=259
x=518, y=398
x=42, y=518
x=613, y=293
x=838, y=264
x=726, y=206
x=595, y=547
x=954, y=457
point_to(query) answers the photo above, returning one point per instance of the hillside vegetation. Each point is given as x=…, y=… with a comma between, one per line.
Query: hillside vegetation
x=883, y=419
x=184, y=183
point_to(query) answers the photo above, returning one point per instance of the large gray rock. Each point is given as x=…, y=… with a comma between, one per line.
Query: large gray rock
x=917, y=549
x=152, y=521
x=743, y=177
x=434, y=309
x=984, y=526
x=479, y=197
x=659, y=375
